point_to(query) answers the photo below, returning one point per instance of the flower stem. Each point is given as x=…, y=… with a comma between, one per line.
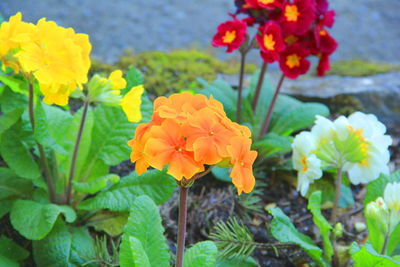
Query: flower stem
x=75, y=153
x=259, y=86
x=337, y=197
x=264, y=128
x=47, y=174
x=181, y=225
x=240, y=87
x=385, y=243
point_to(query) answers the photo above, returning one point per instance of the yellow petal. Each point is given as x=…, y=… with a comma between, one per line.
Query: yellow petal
x=131, y=103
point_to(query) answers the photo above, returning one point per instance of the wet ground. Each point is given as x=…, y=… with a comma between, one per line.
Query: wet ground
x=366, y=29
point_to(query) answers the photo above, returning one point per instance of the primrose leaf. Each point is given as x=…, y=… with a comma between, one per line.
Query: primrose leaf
x=367, y=256
x=314, y=205
x=273, y=144
x=9, y=119
x=376, y=188
x=144, y=225
x=283, y=230
x=12, y=185
x=156, y=184
x=4, y=261
x=134, y=77
x=202, y=254
x=35, y=220
x=236, y=262
x=16, y=84
x=110, y=222
x=96, y=185
x=11, y=250
x=221, y=174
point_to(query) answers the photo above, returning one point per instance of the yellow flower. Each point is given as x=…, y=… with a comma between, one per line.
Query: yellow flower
x=14, y=34
x=131, y=103
x=117, y=80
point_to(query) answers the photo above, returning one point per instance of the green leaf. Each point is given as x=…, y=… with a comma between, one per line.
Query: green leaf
x=202, y=254
x=376, y=188
x=11, y=250
x=393, y=246
x=236, y=262
x=5, y=206
x=367, y=256
x=112, y=223
x=42, y=132
x=18, y=85
x=110, y=135
x=9, y=119
x=221, y=174
x=12, y=185
x=326, y=185
x=283, y=230
x=134, y=77
x=82, y=247
x=55, y=248
x=154, y=183
x=17, y=156
x=273, y=144
x=144, y=224
x=298, y=118
x=35, y=220
x=132, y=253
x=10, y=101
x=6, y=262
x=314, y=205
x=96, y=185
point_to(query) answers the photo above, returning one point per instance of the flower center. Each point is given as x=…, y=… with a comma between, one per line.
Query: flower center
x=269, y=42
x=291, y=13
x=266, y=2
x=303, y=162
x=291, y=39
x=292, y=61
x=242, y=163
x=322, y=33
x=179, y=149
x=211, y=133
x=363, y=144
x=229, y=37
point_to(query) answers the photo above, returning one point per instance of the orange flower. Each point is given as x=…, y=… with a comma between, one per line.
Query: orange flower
x=188, y=131
x=166, y=145
x=242, y=160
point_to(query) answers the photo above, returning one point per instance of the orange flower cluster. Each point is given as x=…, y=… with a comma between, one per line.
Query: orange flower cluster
x=189, y=131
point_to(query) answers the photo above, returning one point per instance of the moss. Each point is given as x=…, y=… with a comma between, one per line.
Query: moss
x=360, y=68
x=167, y=72
x=344, y=105
x=100, y=67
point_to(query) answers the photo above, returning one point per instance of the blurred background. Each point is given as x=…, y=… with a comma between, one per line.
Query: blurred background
x=365, y=29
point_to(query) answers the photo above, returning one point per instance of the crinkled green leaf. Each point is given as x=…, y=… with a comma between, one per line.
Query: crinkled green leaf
x=96, y=185
x=314, y=205
x=17, y=156
x=202, y=254
x=144, y=224
x=283, y=230
x=154, y=183
x=393, y=247
x=368, y=257
x=221, y=174
x=16, y=84
x=112, y=223
x=134, y=77
x=376, y=188
x=5, y=206
x=12, y=185
x=10, y=101
x=6, y=262
x=273, y=144
x=11, y=250
x=132, y=253
x=35, y=220
x=82, y=247
x=326, y=185
x=9, y=119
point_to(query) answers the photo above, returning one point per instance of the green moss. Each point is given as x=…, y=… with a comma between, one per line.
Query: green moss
x=360, y=68
x=100, y=67
x=344, y=105
x=167, y=72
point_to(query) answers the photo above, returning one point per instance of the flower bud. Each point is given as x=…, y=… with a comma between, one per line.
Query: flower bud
x=377, y=215
x=338, y=230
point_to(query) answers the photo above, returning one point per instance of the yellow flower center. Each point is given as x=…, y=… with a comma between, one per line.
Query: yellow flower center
x=363, y=144
x=291, y=13
x=229, y=37
x=269, y=42
x=293, y=60
x=303, y=162
x=266, y=2
x=211, y=133
x=291, y=39
x=242, y=163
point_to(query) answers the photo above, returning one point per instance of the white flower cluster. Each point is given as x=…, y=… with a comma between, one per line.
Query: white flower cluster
x=356, y=144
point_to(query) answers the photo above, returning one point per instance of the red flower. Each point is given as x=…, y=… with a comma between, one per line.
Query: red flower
x=324, y=42
x=293, y=61
x=297, y=17
x=260, y=4
x=230, y=34
x=270, y=41
x=328, y=18
x=249, y=21
x=323, y=65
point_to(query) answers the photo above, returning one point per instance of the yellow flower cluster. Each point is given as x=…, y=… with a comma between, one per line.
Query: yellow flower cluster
x=57, y=57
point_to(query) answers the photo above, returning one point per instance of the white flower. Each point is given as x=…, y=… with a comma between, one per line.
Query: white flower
x=391, y=196
x=323, y=128
x=373, y=146
x=305, y=161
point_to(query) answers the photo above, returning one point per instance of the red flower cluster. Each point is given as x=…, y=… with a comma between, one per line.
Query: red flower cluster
x=289, y=31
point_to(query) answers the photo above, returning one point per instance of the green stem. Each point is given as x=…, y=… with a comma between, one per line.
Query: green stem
x=183, y=191
x=42, y=155
x=385, y=243
x=259, y=86
x=75, y=153
x=240, y=87
x=264, y=128
x=334, y=214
